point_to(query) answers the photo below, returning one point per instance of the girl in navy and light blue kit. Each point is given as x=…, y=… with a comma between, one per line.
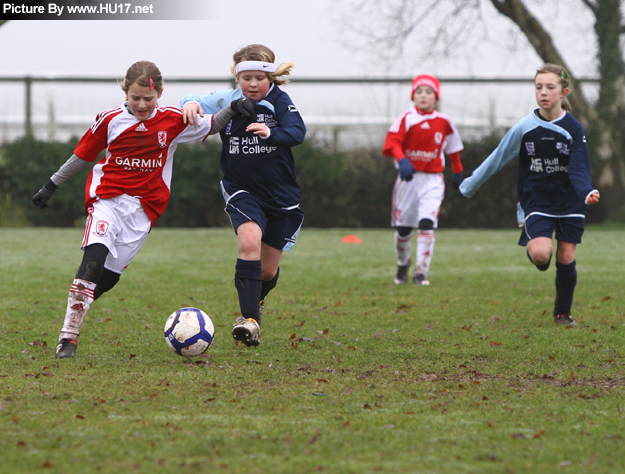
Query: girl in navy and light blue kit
x=554, y=183
x=259, y=186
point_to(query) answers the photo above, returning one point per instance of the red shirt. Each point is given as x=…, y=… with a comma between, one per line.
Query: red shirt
x=424, y=139
x=139, y=155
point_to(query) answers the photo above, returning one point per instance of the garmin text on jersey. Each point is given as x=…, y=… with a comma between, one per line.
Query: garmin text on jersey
x=422, y=155
x=146, y=165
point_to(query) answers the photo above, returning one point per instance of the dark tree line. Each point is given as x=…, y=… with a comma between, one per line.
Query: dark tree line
x=348, y=189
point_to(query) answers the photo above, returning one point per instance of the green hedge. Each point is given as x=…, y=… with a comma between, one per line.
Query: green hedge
x=25, y=166
x=350, y=189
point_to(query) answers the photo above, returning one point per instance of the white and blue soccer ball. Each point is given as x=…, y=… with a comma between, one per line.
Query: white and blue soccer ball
x=189, y=332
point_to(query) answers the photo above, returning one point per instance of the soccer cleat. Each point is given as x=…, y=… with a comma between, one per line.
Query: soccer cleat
x=565, y=319
x=402, y=274
x=247, y=331
x=419, y=279
x=66, y=348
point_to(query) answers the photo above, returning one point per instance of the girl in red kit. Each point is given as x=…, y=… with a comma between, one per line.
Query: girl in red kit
x=419, y=140
x=128, y=189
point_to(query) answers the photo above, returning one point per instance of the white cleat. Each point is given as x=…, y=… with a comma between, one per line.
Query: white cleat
x=420, y=279
x=247, y=331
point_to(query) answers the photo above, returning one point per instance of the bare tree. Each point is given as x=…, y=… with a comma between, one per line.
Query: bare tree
x=604, y=121
x=442, y=25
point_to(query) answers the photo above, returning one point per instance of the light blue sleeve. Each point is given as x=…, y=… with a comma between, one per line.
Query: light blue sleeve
x=213, y=102
x=507, y=150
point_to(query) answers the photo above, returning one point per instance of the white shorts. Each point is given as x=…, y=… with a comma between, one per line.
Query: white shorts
x=419, y=198
x=119, y=223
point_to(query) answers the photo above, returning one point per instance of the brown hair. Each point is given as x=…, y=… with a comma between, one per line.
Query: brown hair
x=141, y=72
x=258, y=52
x=564, y=78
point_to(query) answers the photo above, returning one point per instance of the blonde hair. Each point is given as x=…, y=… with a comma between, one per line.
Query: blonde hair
x=259, y=52
x=142, y=72
x=564, y=79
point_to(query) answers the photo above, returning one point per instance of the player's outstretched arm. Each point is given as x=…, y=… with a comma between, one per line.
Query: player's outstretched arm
x=72, y=166
x=507, y=150
x=244, y=107
x=44, y=194
x=207, y=104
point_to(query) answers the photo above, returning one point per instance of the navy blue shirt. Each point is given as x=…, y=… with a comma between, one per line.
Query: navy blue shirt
x=554, y=168
x=262, y=167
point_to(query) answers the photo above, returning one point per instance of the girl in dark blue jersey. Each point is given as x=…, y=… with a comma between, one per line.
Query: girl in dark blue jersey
x=554, y=183
x=259, y=185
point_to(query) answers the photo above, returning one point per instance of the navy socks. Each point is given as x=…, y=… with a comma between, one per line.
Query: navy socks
x=269, y=285
x=248, y=282
x=566, y=280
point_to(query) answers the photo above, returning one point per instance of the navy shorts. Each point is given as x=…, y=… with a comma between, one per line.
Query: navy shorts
x=567, y=229
x=280, y=226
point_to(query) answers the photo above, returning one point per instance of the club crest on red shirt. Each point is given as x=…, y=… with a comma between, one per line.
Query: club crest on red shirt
x=162, y=139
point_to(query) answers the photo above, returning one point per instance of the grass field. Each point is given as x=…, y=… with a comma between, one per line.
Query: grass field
x=354, y=374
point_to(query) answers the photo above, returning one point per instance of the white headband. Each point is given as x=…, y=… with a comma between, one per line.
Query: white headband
x=254, y=66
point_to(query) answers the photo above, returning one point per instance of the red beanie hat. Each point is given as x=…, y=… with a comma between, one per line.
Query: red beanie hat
x=426, y=80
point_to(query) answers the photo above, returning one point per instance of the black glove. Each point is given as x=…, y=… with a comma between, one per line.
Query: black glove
x=458, y=180
x=41, y=198
x=244, y=106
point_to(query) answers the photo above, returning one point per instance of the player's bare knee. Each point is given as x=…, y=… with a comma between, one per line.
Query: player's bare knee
x=566, y=252
x=540, y=257
x=250, y=237
x=249, y=250
x=269, y=272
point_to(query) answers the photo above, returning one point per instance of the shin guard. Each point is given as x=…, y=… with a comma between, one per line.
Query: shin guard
x=78, y=303
x=425, y=251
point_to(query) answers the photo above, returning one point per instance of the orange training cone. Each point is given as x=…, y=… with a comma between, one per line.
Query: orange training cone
x=351, y=239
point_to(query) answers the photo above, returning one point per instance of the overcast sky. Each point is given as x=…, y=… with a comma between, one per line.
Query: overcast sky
x=308, y=33
x=297, y=31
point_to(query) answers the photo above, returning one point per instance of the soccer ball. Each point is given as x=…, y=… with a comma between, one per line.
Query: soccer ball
x=189, y=332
